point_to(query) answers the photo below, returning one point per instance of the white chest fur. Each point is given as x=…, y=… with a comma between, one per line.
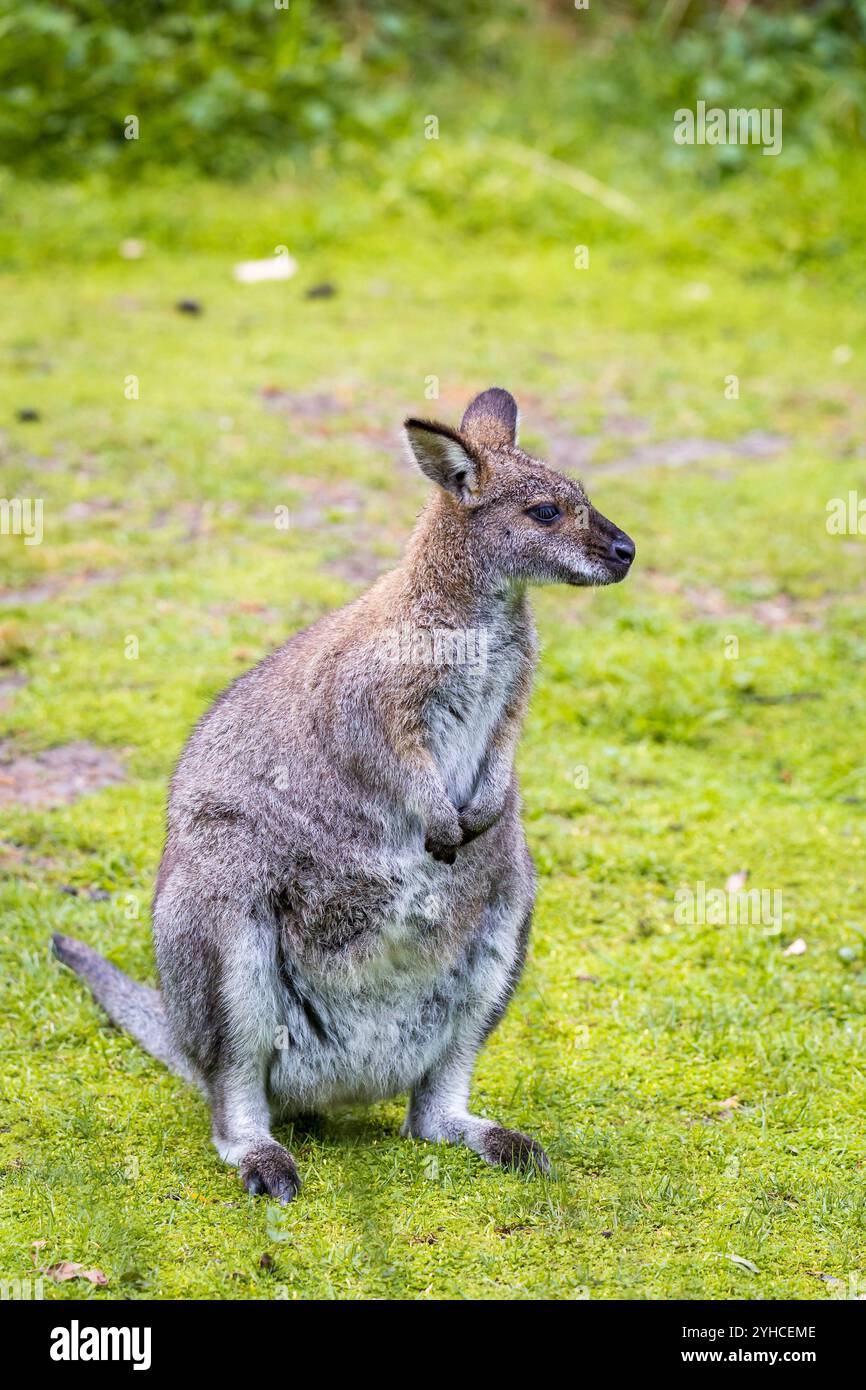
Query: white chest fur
x=470, y=701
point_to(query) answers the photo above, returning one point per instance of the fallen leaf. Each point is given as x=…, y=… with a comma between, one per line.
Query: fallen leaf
x=736, y=881
x=67, y=1269
x=279, y=267
x=740, y=1261
x=796, y=948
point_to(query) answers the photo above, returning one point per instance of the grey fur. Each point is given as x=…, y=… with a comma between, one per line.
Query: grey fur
x=135, y=1008
x=343, y=904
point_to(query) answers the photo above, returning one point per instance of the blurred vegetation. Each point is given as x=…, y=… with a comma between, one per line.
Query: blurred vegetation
x=225, y=88
x=700, y=1090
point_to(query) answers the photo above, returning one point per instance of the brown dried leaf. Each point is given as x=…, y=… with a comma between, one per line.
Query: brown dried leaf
x=68, y=1269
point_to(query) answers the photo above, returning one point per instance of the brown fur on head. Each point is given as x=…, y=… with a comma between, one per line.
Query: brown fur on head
x=522, y=520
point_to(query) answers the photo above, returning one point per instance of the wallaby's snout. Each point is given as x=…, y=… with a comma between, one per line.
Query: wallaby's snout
x=520, y=520
x=613, y=550
x=623, y=551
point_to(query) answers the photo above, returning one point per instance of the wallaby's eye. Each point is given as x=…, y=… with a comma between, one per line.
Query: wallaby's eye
x=546, y=513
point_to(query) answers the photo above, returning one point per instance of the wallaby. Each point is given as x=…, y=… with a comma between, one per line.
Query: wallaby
x=343, y=904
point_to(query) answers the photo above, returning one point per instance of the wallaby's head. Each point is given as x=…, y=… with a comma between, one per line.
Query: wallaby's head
x=521, y=519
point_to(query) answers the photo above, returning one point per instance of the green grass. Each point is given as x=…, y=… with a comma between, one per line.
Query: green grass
x=159, y=525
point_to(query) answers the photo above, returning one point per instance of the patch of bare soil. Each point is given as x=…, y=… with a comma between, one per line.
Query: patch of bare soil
x=321, y=415
x=34, y=593
x=360, y=566
x=321, y=497
x=679, y=453
x=322, y=505
x=776, y=613
x=262, y=611
x=57, y=776
x=569, y=451
x=92, y=507
x=8, y=685
x=65, y=586
x=309, y=405
x=14, y=858
x=198, y=519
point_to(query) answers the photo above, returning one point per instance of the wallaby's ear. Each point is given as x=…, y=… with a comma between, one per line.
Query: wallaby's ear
x=444, y=457
x=491, y=420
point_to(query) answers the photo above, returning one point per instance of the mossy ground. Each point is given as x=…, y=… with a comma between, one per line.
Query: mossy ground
x=629, y=1030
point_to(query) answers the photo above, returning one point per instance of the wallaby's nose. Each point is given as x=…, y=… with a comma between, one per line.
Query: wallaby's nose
x=622, y=548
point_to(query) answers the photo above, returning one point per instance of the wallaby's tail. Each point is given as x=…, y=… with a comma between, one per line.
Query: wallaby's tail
x=136, y=1008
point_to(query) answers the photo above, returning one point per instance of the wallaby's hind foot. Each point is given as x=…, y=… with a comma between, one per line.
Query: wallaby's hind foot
x=508, y=1148
x=269, y=1169
x=436, y=1113
x=502, y=1148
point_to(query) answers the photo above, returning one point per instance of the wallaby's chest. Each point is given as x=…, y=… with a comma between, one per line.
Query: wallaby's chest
x=466, y=707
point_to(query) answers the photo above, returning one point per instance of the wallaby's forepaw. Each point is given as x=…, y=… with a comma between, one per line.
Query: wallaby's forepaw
x=269, y=1169
x=446, y=854
x=508, y=1148
x=443, y=834
x=477, y=820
